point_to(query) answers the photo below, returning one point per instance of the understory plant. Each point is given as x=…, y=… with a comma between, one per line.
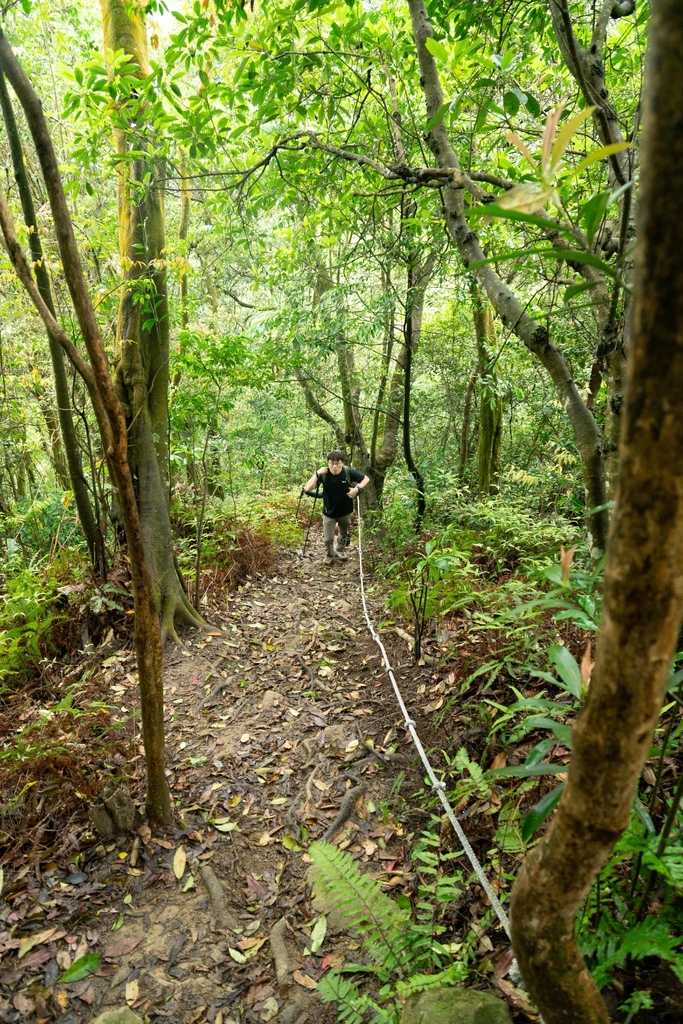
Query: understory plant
x=406, y=948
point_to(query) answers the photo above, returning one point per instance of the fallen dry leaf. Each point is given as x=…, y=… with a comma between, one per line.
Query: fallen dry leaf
x=34, y=940
x=22, y=1004
x=304, y=980
x=179, y=862
x=132, y=992
x=123, y=947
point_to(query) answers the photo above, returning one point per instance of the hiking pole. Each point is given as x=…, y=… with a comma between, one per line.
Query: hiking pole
x=315, y=496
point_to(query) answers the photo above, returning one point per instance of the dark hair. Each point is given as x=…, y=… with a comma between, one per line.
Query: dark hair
x=335, y=456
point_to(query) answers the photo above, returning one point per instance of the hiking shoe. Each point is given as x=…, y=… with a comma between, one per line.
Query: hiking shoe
x=341, y=555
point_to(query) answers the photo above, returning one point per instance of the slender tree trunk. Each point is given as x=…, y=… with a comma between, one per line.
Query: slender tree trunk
x=413, y=323
x=143, y=327
x=466, y=427
x=111, y=422
x=79, y=486
x=643, y=599
x=490, y=402
x=419, y=276
x=506, y=304
x=386, y=366
x=407, y=450
x=54, y=446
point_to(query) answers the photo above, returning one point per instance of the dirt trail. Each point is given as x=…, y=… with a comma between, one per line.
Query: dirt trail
x=270, y=723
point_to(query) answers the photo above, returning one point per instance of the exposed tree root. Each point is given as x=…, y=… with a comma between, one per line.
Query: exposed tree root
x=217, y=897
x=348, y=806
x=177, y=610
x=278, y=949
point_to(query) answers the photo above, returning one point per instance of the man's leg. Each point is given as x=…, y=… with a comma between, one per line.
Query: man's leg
x=328, y=537
x=344, y=524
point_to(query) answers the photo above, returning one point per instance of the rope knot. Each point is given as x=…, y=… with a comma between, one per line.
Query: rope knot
x=439, y=786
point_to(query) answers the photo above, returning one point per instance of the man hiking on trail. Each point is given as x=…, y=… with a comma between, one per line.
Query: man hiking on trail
x=339, y=492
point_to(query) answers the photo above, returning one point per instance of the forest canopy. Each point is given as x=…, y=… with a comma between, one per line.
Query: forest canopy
x=429, y=237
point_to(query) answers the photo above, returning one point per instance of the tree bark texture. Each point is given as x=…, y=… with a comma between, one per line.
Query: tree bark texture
x=91, y=531
x=111, y=422
x=142, y=375
x=490, y=402
x=466, y=427
x=643, y=599
x=506, y=304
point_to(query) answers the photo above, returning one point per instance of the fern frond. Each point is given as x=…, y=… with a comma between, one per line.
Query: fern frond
x=360, y=904
x=453, y=975
x=334, y=988
x=650, y=937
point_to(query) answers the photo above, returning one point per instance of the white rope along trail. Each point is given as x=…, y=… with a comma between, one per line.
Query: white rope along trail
x=437, y=784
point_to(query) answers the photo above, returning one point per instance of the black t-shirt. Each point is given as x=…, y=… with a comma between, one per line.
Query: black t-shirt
x=336, y=501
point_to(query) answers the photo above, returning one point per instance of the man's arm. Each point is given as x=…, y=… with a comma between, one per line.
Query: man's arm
x=359, y=486
x=312, y=485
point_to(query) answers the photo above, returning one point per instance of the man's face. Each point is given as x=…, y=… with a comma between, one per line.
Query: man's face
x=335, y=466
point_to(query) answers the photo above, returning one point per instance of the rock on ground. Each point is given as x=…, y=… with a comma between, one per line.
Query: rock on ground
x=455, y=1006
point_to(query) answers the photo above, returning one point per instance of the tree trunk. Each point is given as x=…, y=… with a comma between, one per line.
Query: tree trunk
x=79, y=486
x=506, y=304
x=466, y=426
x=419, y=276
x=111, y=422
x=54, y=446
x=643, y=598
x=143, y=328
x=587, y=66
x=490, y=402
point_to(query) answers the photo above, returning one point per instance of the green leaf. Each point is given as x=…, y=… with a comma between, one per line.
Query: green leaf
x=523, y=771
x=593, y=211
x=567, y=669
x=589, y=258
x=511, y=103
x=493, y=210
x=318, y=933
x=537, y=815
x=643, y=815
x=561, y=731
x=599, y=154
x=578, y=289
x=437, y=49
x=537, y=753
x=81, y=968
x=437, y=118
x=482, y=116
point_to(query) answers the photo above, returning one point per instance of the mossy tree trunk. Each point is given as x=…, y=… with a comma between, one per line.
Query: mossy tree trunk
x=643, y=595
x=110, y=419
x=142, y=376
x=490, y=401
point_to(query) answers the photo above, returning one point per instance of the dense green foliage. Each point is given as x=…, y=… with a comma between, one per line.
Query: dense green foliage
x=284, y=131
